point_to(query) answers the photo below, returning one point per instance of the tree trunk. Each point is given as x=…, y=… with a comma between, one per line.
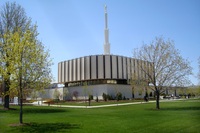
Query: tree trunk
x=21, y=101
x=21, y=113
x=157, y=99
x=6, y=98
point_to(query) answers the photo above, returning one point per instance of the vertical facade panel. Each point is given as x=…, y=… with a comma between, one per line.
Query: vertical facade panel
x=59, y=72
x=124, y=68
x=82, y=69
x=66, y=71
x=114, y=67
x=132, y=68
x=120, y=67
x=70, y=70
x=151, y=67
x=63, y=71
x=107, y=67
x=87, y=67
x=144, y=67
x=140, y=70
x=74, y=70
x=78, y=69
x=147, y=69
x=93, y=67
x=100, y=67
x=137, y=71
x=128, y=68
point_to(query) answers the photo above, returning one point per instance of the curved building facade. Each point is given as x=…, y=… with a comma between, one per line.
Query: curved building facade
x=100, y=69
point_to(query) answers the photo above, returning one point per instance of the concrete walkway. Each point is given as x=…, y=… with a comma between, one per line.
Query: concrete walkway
x=108, y=105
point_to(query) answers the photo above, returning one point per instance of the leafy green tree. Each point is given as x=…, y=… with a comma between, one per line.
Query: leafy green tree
x=193, y=91
x=25, y=63
x=12, y=18
x=197, y=91
x=166, y=68
x=65, y=93
x=29, y=63
x=56, y=94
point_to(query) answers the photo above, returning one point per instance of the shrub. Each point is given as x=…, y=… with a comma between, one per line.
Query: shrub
x=109, y=97
x=97, y=99
x=151, y=94
x=91, y=97
x=124, y=98
x=119, y=96
x=104, y=97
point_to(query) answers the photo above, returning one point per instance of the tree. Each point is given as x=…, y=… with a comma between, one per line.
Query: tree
x=12, y=17
x=65, y=93
x=104, y=96
x=119, y=96
x=193, y=91
x=25, y=63
x=166, y=68
x=29, y=63
x=75, y=94
x=197, y=91
x=56, y=94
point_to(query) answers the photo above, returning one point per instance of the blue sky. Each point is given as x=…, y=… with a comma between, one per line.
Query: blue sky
x=75, y=28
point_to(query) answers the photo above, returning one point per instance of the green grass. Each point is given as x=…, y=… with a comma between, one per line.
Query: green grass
x=173, y=117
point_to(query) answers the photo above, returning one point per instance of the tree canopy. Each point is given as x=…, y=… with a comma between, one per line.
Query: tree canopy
x=12, y=18
x=25, y=63
x=167, y=68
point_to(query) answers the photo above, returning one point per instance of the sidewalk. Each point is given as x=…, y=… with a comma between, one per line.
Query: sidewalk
x=102, y=106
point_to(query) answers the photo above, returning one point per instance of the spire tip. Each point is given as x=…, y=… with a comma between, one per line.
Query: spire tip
x=105, y=7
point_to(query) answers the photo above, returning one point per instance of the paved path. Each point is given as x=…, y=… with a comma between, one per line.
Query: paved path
x=108, y=105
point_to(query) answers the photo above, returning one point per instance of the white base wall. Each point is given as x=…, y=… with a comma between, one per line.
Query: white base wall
x=97, y=91
x=66, y=93
x=52, y=94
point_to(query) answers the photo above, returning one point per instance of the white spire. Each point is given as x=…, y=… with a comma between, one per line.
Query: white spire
x=106, y=34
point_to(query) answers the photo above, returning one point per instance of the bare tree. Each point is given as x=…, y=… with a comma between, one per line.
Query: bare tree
x=166, y=68
x=12, y=17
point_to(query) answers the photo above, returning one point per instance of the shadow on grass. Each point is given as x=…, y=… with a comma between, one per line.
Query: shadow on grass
x=178, y=108
x=34, y=110
x=43, y=110
x=44, y=127
x=181, y=108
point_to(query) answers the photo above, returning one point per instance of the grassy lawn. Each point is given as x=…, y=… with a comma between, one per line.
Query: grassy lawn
x=175, y=116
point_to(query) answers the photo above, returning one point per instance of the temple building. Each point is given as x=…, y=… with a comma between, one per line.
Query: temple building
x=98, y=74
